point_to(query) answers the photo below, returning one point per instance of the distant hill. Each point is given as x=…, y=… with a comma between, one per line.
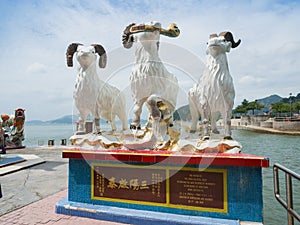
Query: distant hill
x=294, y=99
x=34, y=122
x=62, y=120
x=267, y=101
x=183, y=113
x=69, y=119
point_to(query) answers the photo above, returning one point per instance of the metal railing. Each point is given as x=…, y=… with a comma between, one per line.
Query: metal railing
x=284, y=119
x=288, y=204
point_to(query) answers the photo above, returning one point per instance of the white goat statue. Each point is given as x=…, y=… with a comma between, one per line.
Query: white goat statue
x=214, y=92
x=92, y=95
x=150, y=81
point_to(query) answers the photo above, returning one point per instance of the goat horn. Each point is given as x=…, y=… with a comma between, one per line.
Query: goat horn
x=72, y=48
x=229, y=37
x=213, y=36
x=101, y=52
x=172, y=31
x=127, y=38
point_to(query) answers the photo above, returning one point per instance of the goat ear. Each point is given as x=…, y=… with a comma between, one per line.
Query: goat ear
x=101, y=52
x=72, y=48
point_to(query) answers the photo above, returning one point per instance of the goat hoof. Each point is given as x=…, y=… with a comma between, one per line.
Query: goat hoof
x=192, y=131
x=228, y=138
x=135, y=127
x=205, y=138
x=97, y=132
x=80, y=132
x=215, y=131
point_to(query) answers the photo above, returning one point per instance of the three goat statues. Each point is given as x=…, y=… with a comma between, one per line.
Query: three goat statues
x=153, y=85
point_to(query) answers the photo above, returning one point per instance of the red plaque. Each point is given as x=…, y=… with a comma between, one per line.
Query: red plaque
x=197, y=189
x=186, y=188
x=129, y=183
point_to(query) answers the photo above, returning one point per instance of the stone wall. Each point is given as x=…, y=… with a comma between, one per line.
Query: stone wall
x=283, y=124
x=287, y=125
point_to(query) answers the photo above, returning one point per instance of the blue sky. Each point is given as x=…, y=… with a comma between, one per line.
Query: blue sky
x=35, y=35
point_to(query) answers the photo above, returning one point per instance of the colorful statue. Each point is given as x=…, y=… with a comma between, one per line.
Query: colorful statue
x=12, y=128
x=7, y=122
x=17, y=131
x=2, y=140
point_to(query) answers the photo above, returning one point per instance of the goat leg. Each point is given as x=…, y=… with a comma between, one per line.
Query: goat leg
x=137, y=110
x=81, y=126
x=97, y=126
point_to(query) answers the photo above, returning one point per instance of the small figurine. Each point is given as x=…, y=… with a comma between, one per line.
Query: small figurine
x=12, y=128
x=17, y=131
x=2, y=140
x=7, y=122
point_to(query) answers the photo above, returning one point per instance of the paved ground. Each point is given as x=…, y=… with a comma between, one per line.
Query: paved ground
x=30, y=195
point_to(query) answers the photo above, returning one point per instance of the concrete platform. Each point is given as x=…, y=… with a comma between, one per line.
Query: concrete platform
x=132, y=216
x=28, y=161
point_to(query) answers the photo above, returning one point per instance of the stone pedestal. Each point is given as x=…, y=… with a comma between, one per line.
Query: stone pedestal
x=144, y=187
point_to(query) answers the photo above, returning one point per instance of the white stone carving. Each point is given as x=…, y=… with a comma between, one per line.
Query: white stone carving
x=92, y=95
x=150, y=80
x=214, y=93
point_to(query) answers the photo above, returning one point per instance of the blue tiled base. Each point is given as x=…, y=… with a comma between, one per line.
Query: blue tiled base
x=133, y=216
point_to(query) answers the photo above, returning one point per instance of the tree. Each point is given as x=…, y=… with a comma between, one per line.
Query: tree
x=245, y=103
x=280, y=107
x=246, y=106
x=241, y=109
x=255, y=105
x=296, y=107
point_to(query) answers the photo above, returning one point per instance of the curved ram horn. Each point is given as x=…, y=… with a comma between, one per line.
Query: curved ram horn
x=127, y=38
x=229, y=37
x=172, y=31
x=72, y=48
x=101, y=52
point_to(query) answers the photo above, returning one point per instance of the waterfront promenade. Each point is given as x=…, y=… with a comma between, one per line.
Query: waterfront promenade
x=235, y=124
x=30, y=194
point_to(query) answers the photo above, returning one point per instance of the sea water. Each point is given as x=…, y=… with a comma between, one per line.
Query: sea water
x=282, y=149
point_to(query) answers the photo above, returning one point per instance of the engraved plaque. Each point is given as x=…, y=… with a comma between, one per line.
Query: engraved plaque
x=198, y=189
x=187, y=188
x=129, y=183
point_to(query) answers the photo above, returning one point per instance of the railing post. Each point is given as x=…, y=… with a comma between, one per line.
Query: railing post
x=289, y=198
x=276, y=181
x=288, y=202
